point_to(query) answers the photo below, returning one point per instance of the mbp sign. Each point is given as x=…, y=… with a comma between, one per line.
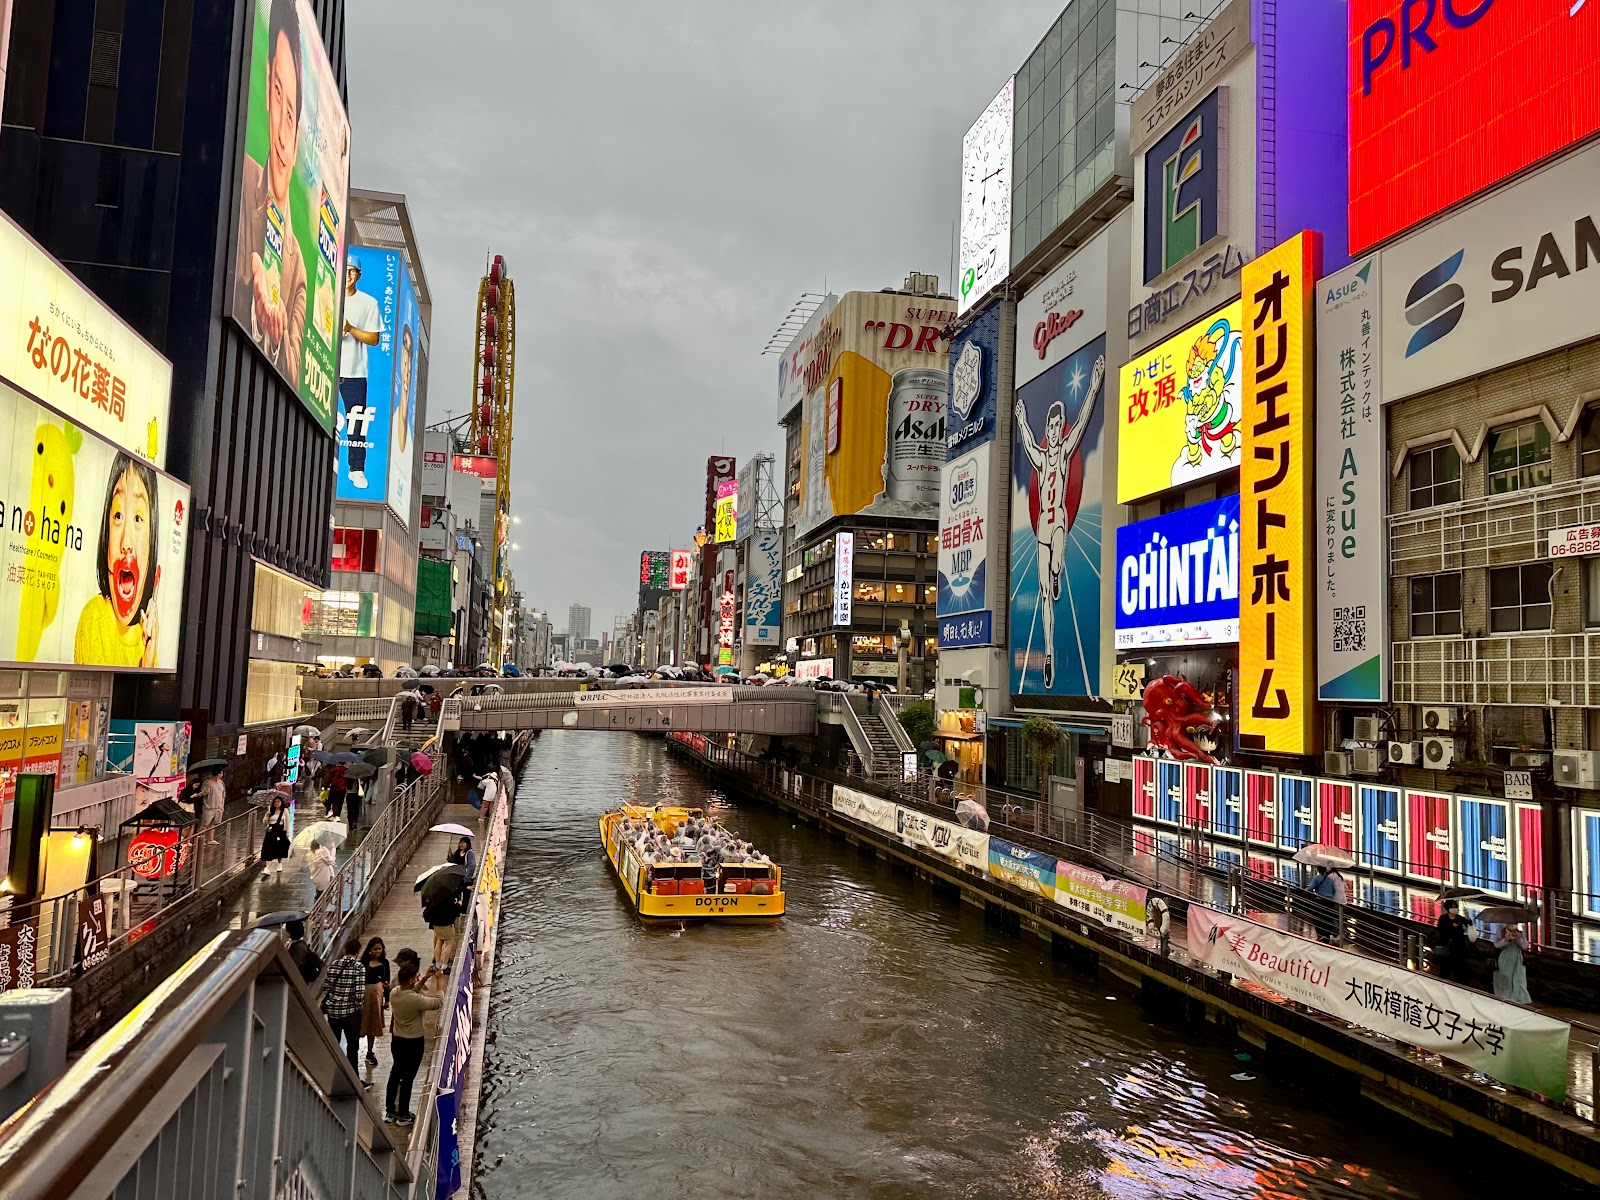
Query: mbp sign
x=1448, y=97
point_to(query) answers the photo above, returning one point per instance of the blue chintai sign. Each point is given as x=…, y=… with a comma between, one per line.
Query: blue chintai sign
x=1177, y=581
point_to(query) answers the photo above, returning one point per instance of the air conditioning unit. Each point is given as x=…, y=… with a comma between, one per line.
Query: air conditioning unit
x=1440, y=719
x=1405, y=754
x=1335, y=762
x=1368, y=760
x=1576, y=768
x=1438, y=752
x=1529, y=760
x=1368, y=729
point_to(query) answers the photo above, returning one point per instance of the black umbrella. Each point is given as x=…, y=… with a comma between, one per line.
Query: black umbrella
x=279, y=918
x=378, y=756
x=443, y=883
x=425, y=687
x=360, y=770
x=209, y=764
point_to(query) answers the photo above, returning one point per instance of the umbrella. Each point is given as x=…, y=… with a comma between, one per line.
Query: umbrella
x=452, y=827
x=727, y=670
x=972, y=814
x=306, y=731
x=1506, y=914
x=1319, y=855
x=421, y=763
x=321, y=833
x=936, y=757
x=280, y=918
x=209, y=764
x=430, y=872
x=1458, y=892
x=324, y=756
x=426, y=687
x=344, y=756
x=406, y=673
x=360, y=770
x=360, y=731
x=429, y=671
x=378, y=756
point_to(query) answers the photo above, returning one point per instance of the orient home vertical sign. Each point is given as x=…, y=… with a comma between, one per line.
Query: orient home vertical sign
x=1275, y=692
x=1352, y=575
x=844, y=564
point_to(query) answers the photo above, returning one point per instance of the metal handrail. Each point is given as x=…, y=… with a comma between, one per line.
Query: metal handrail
x=858, y=737
x=189, y=1093
x=889, y=714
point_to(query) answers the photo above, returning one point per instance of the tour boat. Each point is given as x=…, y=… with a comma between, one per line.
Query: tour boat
x=687, y=891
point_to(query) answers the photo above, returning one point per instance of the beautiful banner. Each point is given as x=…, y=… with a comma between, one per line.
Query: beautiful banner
x=1514, y=1045
x=1022, y=867
x=869, y=810
x=1103, y=898
x=965, y=846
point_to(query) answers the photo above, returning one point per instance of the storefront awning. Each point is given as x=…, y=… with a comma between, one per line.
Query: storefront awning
x=956, y=735
x=1067, y=726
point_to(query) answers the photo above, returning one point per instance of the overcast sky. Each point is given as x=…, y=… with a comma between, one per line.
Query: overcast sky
x=664, y=179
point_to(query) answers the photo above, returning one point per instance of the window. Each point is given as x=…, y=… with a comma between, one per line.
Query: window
x=1519, y=457
x=870, y=592
x=1591, y=592
x=1436, y=605
x=1589, y=441
x=1519, y=598
x=1435, y=476
x=355, y=550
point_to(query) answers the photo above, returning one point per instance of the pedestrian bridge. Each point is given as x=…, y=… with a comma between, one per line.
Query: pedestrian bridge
x=665, y=708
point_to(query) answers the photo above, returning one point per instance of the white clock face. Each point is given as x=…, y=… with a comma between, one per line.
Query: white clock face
x=986, y=200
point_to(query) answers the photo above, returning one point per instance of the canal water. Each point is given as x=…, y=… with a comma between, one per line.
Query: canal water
x=877, y=1042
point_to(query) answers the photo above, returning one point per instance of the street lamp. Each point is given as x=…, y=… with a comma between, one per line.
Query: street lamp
x=903, y=644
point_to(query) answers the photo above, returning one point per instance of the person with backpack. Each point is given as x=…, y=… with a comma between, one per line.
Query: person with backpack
x=305, y=958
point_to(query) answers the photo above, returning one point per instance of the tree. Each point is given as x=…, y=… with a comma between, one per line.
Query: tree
x=917, y=720
x=1043, y=739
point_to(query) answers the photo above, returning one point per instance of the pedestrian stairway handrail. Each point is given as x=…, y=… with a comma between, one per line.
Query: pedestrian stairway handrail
x=351, y=890
x=223, y=1082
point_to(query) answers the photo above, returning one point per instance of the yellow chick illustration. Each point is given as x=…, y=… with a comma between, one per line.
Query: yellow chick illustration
x=153, y=440
x=50, y=512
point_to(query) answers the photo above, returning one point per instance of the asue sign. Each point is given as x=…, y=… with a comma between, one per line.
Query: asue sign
x=1448, y=97
x=1508, y=277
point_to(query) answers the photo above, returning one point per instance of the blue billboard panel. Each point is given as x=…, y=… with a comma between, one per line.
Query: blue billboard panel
x=967, y=629
x=974, y=385
x=1169, y=792
x=1297, y=812
x=379, y=368
x=763, y=588
x=1378, y=827
x=1057, y=463
x=1483, y=843
x=1227, y=801
x=1177, y=580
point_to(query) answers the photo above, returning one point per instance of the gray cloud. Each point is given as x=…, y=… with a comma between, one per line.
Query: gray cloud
x=663, y=180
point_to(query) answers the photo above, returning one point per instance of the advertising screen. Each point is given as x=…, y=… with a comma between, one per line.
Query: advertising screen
x=1430, y=834
x=1276, y=634
x=1179, y=407
x=63, y=344
x=294, y=183
x=378, y=374
x=1381, y=843
x=1352, y=487
x=1057, y=457
x=484, y=466
x=1178, y=577
x=974, y=385
x=655, y=569
x=1447, y=99
x=1485, y=843
x=92, y=549
x=844, y=575
x=873, y=437
x=986, y=200
x=763, y=588
x=964, y=534
x=682, y=565
x=727, y=511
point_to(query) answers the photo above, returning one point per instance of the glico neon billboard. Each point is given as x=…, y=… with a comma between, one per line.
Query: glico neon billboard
x=1449, y=97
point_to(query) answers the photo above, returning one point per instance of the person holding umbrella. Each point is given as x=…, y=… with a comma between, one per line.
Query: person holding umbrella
x=275, y=838
x=1510, y=972
x=1450, y=942
x=440, y=887
x=338, y=781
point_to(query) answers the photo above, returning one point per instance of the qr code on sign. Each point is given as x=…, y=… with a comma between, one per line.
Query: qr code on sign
x=1350, y=628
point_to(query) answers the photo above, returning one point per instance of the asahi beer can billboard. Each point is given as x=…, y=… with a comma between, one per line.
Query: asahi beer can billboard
x=915, y=436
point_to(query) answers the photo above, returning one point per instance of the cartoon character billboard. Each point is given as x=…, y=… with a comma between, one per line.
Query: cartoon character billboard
x=1057, y=461
x=93, y=544
x=1179, y=405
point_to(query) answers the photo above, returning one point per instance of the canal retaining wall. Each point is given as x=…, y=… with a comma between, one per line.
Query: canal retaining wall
x=1347, y=1065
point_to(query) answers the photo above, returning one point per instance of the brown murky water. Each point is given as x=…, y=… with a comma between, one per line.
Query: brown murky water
x=878, y=1042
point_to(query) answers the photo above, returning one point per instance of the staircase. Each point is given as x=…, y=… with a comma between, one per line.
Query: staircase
x=874, y=742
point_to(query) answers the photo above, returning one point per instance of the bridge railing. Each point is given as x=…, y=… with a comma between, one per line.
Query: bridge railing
x=224, y=1081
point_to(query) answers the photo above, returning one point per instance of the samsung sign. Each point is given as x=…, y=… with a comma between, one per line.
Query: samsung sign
x=1178, y=578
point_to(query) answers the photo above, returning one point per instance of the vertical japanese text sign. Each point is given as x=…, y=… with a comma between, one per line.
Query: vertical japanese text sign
x=1276, y=651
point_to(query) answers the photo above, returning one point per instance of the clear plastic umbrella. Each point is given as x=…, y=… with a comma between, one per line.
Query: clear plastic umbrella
x=322, y=833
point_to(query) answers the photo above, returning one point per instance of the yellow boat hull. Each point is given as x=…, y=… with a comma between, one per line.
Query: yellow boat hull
x=634, y=880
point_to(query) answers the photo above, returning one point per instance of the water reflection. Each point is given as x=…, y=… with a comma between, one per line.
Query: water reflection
x=876, y=1042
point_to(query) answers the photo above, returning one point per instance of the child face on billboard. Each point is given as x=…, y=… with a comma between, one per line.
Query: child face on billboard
x=128, y=545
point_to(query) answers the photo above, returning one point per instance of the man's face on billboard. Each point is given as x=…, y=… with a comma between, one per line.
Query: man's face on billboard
x=405, y=378
x=283, y=116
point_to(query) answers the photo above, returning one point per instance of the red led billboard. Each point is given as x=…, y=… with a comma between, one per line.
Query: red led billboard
x=1448, y=97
